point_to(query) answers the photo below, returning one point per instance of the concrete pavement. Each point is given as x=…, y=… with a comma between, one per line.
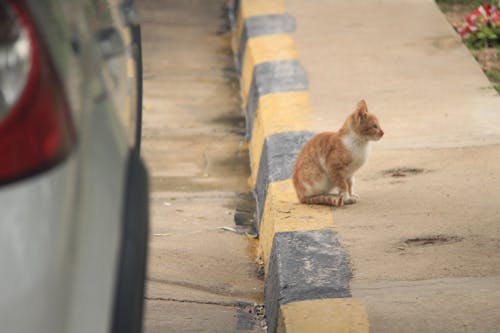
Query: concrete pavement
x=404, y=58
x=201, y=275
x=424, y=241
x=422, y=245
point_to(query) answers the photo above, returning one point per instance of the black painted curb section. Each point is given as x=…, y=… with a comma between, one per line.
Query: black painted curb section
x=264, y=25
x=276, y=162
x=305, y=265
x=273, y=77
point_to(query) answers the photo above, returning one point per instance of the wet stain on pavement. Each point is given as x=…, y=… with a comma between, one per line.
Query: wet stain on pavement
x=245, y=210
x=431, y=240
x=446, y=42
x=235, y=121
x=402, y=172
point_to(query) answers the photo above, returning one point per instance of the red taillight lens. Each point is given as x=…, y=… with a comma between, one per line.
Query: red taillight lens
x=36, y=131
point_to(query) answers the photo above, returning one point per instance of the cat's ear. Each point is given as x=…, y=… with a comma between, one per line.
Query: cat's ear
x=361, y=111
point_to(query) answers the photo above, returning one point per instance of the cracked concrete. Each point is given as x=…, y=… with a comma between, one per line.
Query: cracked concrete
x=201, y=275
x=230, y=304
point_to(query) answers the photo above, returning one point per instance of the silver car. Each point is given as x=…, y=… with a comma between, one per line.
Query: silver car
x=73, y=188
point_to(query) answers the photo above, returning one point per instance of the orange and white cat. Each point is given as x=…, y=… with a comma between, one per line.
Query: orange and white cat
x=330, y=159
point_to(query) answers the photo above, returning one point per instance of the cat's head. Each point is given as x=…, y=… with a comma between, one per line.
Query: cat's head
x=365, y=123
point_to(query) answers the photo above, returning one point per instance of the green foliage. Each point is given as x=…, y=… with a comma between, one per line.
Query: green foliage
x=486, y=36
x=494, y=77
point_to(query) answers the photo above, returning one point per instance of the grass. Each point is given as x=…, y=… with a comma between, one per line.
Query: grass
x=494, y=77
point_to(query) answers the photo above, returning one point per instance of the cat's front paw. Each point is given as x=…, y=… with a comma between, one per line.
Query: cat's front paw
x=350, y=200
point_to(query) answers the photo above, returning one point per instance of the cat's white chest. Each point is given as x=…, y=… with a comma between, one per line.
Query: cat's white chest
x=359, y=148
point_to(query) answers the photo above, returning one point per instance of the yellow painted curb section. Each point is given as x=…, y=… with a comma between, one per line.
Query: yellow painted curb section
x=277, y=113
x=262, y=49
x=248, y=8
x=283, y=212
x=328, y=315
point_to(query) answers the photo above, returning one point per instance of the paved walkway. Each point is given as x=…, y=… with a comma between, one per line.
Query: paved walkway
x=201, y=278
x=424, y=240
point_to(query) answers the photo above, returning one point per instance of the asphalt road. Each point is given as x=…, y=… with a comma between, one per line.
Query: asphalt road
x=202, y=276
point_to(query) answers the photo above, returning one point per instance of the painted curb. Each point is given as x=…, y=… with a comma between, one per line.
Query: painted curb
x=307, y=272
x=276, y=163
x=263, y=25
x=305, y=265
x=272, y=77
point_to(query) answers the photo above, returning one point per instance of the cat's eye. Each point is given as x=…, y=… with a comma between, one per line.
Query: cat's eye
x=375, y=126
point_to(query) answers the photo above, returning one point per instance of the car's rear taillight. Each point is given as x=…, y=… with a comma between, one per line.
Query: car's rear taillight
x=36, y=130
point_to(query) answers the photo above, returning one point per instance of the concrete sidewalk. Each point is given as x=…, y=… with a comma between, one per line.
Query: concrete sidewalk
x=424, y=241
x=201, y=275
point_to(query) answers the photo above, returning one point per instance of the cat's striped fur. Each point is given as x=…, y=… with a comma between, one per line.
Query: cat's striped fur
x=330, y=159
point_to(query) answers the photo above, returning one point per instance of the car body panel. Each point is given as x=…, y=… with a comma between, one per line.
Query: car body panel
x=34, y=249
x=98, y=222
x=61, y=230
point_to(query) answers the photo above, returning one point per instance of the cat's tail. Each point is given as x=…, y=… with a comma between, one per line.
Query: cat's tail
x=326, y=200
